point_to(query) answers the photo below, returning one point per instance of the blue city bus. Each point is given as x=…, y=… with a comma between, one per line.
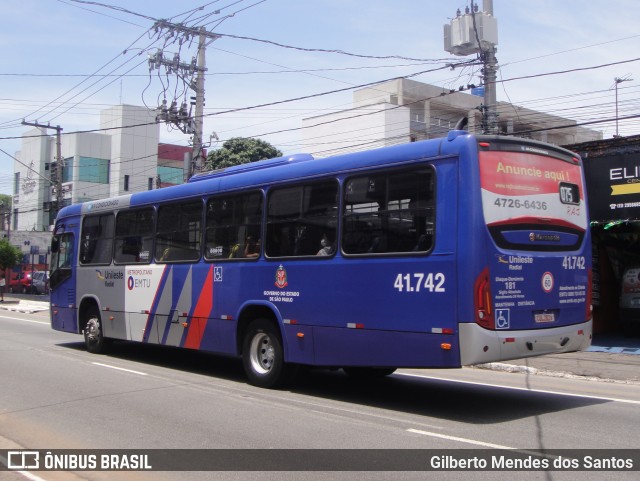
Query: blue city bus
x=440, y=253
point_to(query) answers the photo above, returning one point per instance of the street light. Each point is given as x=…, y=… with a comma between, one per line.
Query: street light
x=617, y=81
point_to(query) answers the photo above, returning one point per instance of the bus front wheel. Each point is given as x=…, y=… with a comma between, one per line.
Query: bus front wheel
x=263, y=356
x=94, y=338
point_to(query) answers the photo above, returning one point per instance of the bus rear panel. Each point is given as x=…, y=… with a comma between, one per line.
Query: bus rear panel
x=533, y=295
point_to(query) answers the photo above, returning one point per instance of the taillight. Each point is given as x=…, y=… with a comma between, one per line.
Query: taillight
x=588, y=312
x=482, y=301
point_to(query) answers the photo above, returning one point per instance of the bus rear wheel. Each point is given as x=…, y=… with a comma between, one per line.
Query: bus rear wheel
x=94, y=339
x=263, y=356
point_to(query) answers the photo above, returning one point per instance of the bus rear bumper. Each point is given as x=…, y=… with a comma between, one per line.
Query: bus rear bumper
x=479, y=345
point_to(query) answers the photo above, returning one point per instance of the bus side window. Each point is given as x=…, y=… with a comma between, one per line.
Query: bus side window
x=298, y=217
x=179, y=232
x=233, y=226
x=389, y=213
x=96, y=245
x=134, y=236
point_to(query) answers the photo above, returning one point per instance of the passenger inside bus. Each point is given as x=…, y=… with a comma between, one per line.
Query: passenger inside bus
x=252, y=247
x=326, y=246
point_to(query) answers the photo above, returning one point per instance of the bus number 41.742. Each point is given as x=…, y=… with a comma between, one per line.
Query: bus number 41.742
x=420, y=281
x=574, y=262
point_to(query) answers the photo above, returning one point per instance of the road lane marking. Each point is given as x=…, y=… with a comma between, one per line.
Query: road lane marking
x=460, y=440
x=46, y=323
x=119, y=368
x=475, y=442
x=513, y=388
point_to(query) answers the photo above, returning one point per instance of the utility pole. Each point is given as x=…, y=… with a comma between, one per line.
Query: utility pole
x=476, y=32
x=198, y=158
x=488, y=56
x=55, y=173
x=183, y=120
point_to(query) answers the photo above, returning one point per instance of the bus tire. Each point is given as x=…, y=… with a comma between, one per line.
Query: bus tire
x=94, y=339
x=368, y=373
x=263, y=356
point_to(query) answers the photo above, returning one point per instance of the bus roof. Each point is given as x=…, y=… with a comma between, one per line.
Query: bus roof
x=282, y=169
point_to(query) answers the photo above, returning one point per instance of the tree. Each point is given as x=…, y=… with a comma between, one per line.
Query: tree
x=5, y=209
x=240, y=150
x=5, y=200
x=9, y=255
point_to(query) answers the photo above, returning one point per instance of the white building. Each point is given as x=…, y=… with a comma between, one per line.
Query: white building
x=404, y=110
x=120, y=158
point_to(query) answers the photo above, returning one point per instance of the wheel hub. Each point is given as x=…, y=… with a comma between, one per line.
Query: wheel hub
x=262, y=353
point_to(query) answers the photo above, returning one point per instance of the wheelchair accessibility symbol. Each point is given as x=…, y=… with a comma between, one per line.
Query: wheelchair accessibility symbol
x=217, y=274
x=502, y=319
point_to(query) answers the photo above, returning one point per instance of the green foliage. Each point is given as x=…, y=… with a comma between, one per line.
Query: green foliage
x=239, y=150
x=5, y=202
x=9, y=255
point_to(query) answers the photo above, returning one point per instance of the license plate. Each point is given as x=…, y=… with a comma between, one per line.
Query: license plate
x=543, y=317
x=635, y=301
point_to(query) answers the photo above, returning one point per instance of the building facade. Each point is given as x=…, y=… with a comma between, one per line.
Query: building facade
x=123, y=156
x=404, y=110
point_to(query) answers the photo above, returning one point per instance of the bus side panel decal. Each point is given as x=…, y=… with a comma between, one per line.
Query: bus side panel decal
x=177, y=294
x=201, y=314
x=142, y=285
x=160, y=303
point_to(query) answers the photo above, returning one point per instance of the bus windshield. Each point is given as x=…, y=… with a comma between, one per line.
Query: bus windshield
x=61, y=258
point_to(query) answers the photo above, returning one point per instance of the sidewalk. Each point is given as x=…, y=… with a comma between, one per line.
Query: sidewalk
x=27, y=305
x=611, y=358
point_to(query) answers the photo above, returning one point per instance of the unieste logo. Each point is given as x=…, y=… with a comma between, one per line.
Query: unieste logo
x=109, y=277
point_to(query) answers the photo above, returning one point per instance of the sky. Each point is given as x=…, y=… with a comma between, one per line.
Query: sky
x=64, y=61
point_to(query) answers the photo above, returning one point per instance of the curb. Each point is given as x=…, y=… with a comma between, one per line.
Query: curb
x=28, y=307
x=515, y=368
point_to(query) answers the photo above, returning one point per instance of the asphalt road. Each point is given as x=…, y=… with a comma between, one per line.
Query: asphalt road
x=55, y=395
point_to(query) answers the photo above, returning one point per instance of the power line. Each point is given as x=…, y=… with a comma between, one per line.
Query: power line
x=98, y=13
x=335, y=51
x=268, y=104
x=113, y=7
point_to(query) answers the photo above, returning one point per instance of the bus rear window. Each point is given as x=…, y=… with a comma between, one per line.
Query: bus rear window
x=532, y=201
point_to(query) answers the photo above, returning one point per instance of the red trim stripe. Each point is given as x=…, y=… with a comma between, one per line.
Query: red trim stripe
x=201, y=313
